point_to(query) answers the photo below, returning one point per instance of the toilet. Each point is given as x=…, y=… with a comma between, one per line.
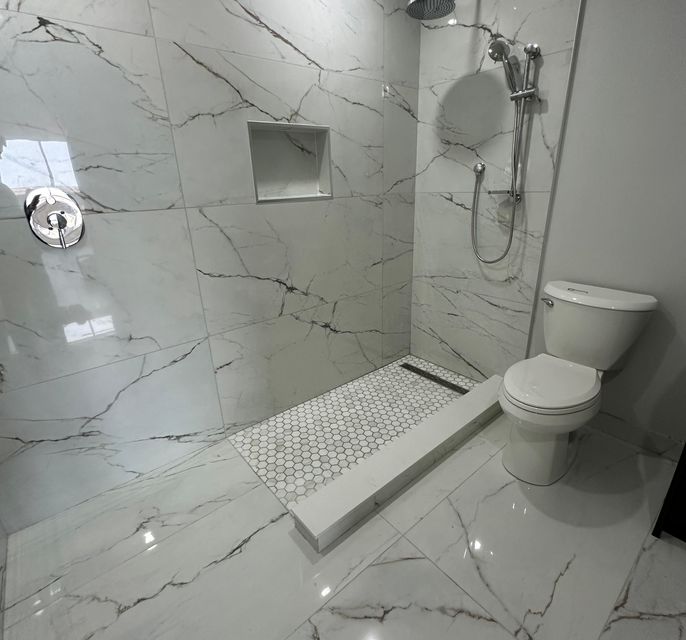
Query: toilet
x=587, y=330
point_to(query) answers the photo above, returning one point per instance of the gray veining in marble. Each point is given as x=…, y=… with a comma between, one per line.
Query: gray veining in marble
x=119, y=293
x=84, y=109
x=213, y=93
x=652, y=603
x=252, y=265
x=126, y=107
x=96, y=429
x=467, y=316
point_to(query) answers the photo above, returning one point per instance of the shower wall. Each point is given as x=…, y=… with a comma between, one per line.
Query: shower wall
x=188, y=311
x=470, y=317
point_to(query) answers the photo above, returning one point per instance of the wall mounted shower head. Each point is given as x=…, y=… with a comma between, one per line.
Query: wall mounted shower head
x=499, y=51
x=430, y=9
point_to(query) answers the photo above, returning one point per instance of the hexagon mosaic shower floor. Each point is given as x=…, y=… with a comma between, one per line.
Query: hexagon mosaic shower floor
x=300, y=450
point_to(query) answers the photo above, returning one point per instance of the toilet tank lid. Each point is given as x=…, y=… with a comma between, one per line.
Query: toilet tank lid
x=592, y=296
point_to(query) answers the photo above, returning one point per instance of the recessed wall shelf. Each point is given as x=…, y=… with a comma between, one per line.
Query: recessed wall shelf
x=290, y=161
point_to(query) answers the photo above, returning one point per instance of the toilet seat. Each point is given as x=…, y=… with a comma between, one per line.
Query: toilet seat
x=551, y=386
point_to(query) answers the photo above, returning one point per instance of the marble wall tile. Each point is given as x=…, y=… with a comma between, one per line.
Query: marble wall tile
x=471, y=119
x=398, y=237
x=259, y=262
x=128, y=288
x=342, y=37
x=466, y=316
x=183, y=589
x=64, y=552
x=535, y=557
x=449, y=51
x=402, y=596
x=401, y=44
x=84, y=109
x=97, y=429
x=123, y=15
x=400, y=138
x=212, y=94
x=653, y=601
x=397, y=323
x=268, y=367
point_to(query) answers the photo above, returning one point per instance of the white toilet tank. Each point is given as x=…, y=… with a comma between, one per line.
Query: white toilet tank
x=592, y=325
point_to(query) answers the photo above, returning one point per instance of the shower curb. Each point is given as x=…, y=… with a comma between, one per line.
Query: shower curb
x=327, y=514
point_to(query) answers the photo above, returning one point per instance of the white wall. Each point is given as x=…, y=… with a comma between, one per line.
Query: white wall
x=619, y=213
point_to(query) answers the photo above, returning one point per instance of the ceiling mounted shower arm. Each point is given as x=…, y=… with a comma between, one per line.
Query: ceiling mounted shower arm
x=529, y=90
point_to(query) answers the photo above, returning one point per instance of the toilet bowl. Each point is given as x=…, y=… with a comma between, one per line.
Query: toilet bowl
x=587, y=331
x=545, y=399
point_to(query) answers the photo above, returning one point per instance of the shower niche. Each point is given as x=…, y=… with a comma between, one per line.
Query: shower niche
x=290, y=161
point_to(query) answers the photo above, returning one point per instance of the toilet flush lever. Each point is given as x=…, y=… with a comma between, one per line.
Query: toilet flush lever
x=548, y=302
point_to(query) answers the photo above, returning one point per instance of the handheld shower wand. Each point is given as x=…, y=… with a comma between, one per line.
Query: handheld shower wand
x=521, y=91
x=499, y=51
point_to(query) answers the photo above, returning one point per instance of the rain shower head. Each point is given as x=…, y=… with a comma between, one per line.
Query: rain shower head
x=430, y=9
x=499, y=51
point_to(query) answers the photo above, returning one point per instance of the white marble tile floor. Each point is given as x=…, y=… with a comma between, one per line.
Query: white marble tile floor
x=203, y=549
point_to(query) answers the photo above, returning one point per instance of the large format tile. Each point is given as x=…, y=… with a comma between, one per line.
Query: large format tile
x=401, y=44
x=64, y=552
x=396, y=309
x=467, y=316
x=470, y=119
x=241, y=568
x=69, y=439
x=459, y=49
x=401, y=596
x=212, y=94
x=398, y=237
x=128, y=288
x=111, y=145
x=124, y=15
x=535, y=557
x=399, y=138
x=398, y=243
x=268, y=367
x=259, y=262
x=417, y=500
x=344, y=37
x=653, y=601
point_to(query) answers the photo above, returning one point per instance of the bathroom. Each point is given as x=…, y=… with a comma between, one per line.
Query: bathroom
x=255, y=381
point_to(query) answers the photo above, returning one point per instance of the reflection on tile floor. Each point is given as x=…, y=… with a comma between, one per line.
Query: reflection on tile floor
x=201, y=548
x=300, y=450
x=653, y=601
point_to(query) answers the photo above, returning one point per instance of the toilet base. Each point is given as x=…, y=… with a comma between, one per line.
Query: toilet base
x=537, y=458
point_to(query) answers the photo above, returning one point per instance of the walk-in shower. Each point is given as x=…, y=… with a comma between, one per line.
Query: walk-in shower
x=522, y=90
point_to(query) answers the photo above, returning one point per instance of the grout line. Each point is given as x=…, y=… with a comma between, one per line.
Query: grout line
x=188, y=226
x=202, y=338
x=494, y=69
x=461, y=588
x=197, y=340
x=90, y=25
x=152, y=35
